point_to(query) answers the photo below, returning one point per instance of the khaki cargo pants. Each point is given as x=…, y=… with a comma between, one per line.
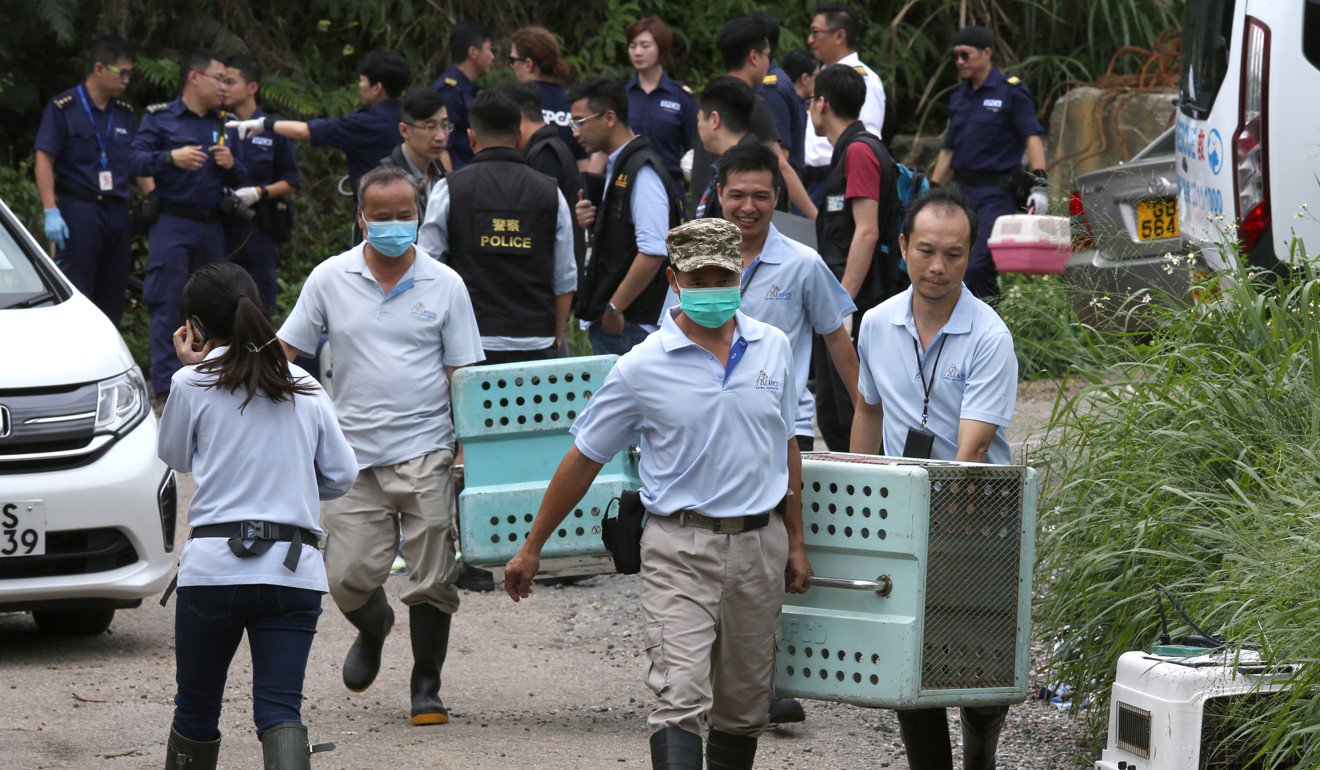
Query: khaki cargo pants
x=417, y=496
x=711, y=604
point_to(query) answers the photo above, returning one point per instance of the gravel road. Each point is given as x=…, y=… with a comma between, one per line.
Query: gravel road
x=553, y=683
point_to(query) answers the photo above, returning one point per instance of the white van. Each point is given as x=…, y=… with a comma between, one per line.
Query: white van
x=1248, y=128
x=87, y=511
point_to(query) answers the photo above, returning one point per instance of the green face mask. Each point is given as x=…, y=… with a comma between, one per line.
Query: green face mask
x=711, y=307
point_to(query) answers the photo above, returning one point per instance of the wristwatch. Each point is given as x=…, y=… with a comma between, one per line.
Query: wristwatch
x=610, y=309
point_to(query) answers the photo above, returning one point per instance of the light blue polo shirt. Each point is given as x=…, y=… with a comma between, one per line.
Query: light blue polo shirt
x=714, y=438
x=789, y=287
x=977, y=376
x=391, y=389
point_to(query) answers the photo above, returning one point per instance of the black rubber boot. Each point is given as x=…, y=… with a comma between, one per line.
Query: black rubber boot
x=675, y=749
x=183, y=754
x=285, y=747
x=429, y=628
x=785, y=710
x=725, y=751
x=926, y=739
x=373, y=621
x=980, y=730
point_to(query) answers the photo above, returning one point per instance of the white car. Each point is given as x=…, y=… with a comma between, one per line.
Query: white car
x=87, y=510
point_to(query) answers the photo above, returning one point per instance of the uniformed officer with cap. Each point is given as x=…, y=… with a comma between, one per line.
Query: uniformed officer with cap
x=82, y=176
x=992, y=119
x=712, y=396
x=185, y=146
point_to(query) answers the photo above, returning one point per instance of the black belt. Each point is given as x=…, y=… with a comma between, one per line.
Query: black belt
x=263, y=535
x=188, y=212
x=996, y=178
x=87, y=196
x=730, y=525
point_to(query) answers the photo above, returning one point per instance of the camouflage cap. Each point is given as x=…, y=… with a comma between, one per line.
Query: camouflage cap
x=703, y=242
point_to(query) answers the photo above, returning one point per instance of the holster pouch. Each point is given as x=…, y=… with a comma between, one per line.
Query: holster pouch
x=275, y=218
x=622, y=535
x=145, y=213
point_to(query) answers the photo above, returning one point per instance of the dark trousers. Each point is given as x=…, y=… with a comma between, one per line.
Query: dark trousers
x=176, y=247
x=209, y=622
x=97, y=256
x=990, y=203
x=250, y=247
x=616, y=344
x=926, y=737
x=519, y=356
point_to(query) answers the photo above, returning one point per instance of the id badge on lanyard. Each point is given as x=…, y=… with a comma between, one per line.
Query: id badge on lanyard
x=104, y=179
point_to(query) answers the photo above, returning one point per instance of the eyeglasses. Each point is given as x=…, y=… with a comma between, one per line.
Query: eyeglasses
x=124, y=74
x=515, y=59
x=577, y=123
x=217, y=78
x=814, y=31
x=430, y=128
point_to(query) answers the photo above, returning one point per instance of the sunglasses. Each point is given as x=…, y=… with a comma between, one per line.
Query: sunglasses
x=962, y=55
x=124, y=74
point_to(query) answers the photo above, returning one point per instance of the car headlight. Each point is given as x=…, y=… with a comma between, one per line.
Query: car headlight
x=121, y=402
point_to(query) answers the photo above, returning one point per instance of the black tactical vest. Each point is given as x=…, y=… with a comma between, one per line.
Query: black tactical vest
x=614, y=239
x=569, y=179
x=501, y=231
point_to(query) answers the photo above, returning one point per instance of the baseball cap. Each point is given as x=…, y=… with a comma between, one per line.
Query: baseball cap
x=705, y=242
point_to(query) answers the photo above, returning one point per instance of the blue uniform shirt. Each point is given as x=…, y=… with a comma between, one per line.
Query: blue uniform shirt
x=170, y=125
x=73, y=132
x=555, y=108
x=267, y=158
x=989, y=126
x=789, y=111
x=667, y=116
x=459, y=92
x=365, y=135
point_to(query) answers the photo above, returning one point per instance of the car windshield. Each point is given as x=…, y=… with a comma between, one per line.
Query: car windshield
x=21, y=283
x=1207, y=32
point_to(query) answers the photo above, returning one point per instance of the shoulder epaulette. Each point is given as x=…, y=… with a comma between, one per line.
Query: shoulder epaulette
x=123, y=105
x=157, y=107
x=770, y=80
x=860, y=69
x=451, y=82
x=1014, y=80
x=685, y=88
x=63, y=101
x=226, y=115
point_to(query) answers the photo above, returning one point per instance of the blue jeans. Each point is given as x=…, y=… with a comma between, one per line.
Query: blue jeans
x=615, y=344
x=209, y=622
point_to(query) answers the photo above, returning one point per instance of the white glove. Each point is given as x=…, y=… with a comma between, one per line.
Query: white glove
x=248, y=128
x=1038, y=202
x=685, y=163
x=248, y=196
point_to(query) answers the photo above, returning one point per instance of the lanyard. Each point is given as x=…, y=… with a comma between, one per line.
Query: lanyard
x=751, y=273
x=109, y=126
x=926, y=388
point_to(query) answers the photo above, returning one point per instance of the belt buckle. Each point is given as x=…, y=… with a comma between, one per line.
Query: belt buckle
x=726, y=526
x=257, y=530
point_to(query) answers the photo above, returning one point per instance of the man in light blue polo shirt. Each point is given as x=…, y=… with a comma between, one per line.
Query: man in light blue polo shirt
x=937, y=360
x=712, y=396
x=399, y=323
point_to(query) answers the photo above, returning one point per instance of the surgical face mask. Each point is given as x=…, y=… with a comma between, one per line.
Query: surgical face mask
x=392, y=238
x=711, y=307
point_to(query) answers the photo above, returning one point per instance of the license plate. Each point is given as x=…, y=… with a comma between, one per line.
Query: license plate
x=22, y=528
x=1157, y=218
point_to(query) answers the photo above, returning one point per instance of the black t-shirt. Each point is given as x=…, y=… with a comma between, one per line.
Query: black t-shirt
x=762, y=122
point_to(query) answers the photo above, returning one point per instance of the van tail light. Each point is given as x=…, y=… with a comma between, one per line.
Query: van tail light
x=1081, y=226
x=1251, y=142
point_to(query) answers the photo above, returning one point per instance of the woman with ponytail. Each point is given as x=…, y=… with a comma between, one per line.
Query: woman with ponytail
x=534, y=57
x=262, y=441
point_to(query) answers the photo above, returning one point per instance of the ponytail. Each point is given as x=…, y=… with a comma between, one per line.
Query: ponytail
x=561, y=71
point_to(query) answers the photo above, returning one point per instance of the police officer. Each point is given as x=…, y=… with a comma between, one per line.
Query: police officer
x=507, y=231
x=425, y=131
x=534, y=57
x=271, y=175
x=82, y=172
x=856, y=230
x=724, y=111
x=958, y=382
x=185, y=146
x=623, y=287
x=713, y=398
x=548, y=153
x=471, y=57
x=659, y=108
x=785, y=104
x=991, y=120
x=366, y=135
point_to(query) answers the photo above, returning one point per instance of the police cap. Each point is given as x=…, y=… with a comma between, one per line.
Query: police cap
x=976, y=36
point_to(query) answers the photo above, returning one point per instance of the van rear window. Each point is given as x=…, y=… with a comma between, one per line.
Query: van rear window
x=1207, y=32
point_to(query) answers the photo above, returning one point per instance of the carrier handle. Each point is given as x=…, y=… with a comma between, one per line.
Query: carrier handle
x=882, y=585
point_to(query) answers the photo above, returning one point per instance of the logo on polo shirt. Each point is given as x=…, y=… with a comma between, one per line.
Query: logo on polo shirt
x=764, y=382
x=672, y=106
x=777, y=293
x=420, y=311
x=953, y=374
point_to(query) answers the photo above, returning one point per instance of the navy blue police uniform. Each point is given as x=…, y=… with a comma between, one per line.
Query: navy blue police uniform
x=86, y=142
x=365, y=135
x=988, y=130
x=459, y=92
x=667, y=117
x=267, y=159
x=789, y=111
x=557, y=112
x=189, y=231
